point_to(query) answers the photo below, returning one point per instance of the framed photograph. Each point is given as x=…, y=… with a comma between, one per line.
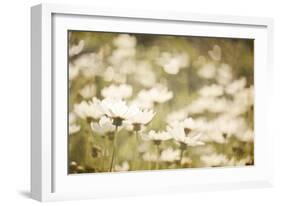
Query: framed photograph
x=137, y=102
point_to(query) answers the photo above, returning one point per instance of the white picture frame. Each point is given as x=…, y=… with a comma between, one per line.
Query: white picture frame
x=49, y=179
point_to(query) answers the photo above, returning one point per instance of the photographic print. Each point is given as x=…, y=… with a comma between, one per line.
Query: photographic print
x=150, y=102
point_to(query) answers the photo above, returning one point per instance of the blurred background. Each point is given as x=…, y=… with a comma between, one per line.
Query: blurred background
x=210, y=79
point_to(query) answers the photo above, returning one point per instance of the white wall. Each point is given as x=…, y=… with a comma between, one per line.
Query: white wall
x=14, y=103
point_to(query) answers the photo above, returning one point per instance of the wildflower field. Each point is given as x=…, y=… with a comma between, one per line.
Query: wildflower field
x=151, y=102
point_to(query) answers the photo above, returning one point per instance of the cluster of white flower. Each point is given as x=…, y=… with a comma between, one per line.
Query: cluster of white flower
x=111, y=110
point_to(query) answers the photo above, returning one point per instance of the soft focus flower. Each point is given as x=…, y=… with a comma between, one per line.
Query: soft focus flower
x=103, y=127
x=91, y=109
x=178, y=115
x=186, y=162
x=246, y=136
x=230, y=125
x=125, y=41
x=73, y=71
x=215, y=53
x=211, y=91
x=242, y=162
x=158, y=94
x=217, y=105
x=144, y=74
x=73, y=127
x=172, y=63
x=76, y=49
x=123, y=167
x=236, y=86
x=199, y=62
x=156, y=136
x=198, y=106
x=72, y=118
x=143, y=147
x=245, y=97
x=150, y=157
x=122, y=91
x=125, y=49
x=215, y=135
x=170, y=155
x=127, y=66
x=214, y=160
x=207, y=71
x=120, y=55
x=178, y=134
x=224, y=74
x=88, y=91
x=90, y=64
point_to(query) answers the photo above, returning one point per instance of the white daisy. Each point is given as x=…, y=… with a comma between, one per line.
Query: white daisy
x=118, y=110
x=103, y=127
x=91, y=109
x=142, y=117
x=180, y=136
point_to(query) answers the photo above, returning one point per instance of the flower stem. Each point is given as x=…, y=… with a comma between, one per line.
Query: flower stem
x=158, y=157
x=135, y=154
x=181, y=157
x=105, y=153
x=113, y=151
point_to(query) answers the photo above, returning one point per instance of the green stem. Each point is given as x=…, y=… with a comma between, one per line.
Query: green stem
x=158, y=157
x=135, y=154
x=113, y=152
x=104, y=153
x=181, y=157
